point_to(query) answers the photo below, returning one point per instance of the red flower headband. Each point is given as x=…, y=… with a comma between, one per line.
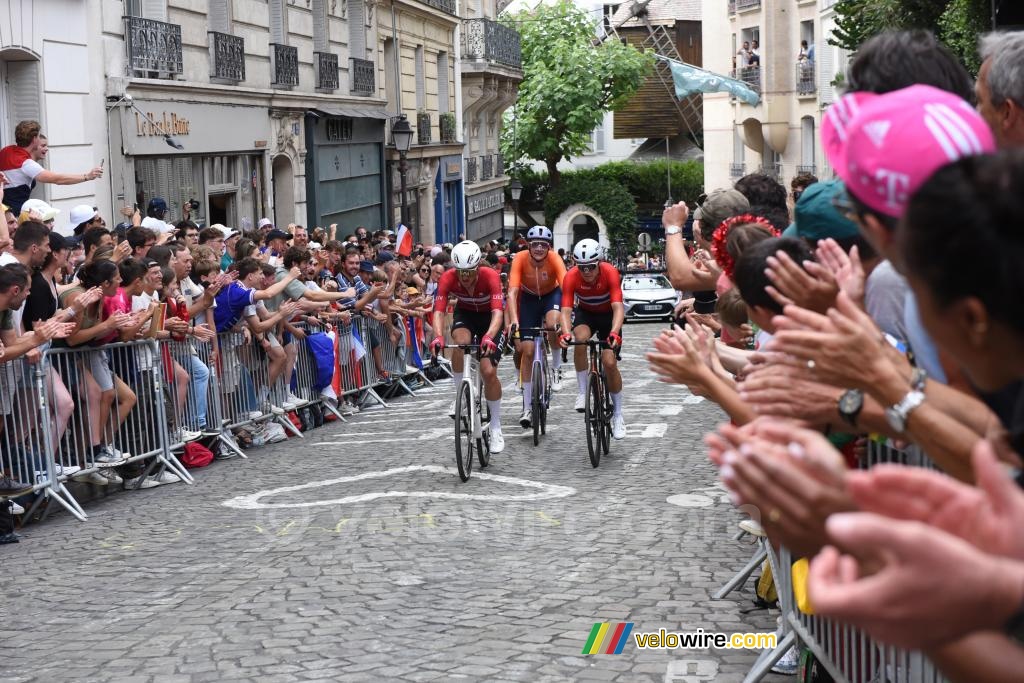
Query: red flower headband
x=718, y=249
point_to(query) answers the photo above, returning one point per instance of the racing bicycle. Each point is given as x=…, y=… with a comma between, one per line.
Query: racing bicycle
x=598, y=411
x=541, y=399
x=472, y=415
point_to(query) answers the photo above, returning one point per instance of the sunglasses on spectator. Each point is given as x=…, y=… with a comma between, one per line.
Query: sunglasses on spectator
x=588, y=268
x=424, y=270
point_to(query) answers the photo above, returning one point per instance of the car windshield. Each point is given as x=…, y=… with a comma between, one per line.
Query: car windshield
x=646, y=282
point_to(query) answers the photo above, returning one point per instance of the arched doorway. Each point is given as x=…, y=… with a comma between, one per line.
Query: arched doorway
x=284, y=191
x=565, y=229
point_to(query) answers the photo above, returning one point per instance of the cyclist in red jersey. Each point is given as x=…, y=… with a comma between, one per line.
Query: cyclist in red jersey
x=479, y=312
x=534, y=296
x=594, y=286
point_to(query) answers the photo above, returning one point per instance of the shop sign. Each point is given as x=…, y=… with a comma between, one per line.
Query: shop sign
x=485, y=202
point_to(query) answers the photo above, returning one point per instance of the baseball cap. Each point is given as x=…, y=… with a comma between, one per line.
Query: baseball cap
x=721, y=204
x=366, y=266
x=229, y=233
x=436, y=250
x=884, y=147
x=156, y=204
x=59, y=242
x=42, y=208
x=276, y=234
x=412, y=290
x=384, y=257
x=816, y=215
x=264, y=222
x=78, y=215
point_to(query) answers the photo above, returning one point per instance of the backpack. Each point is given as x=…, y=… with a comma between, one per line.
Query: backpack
x=196, y=455
x=767, y=596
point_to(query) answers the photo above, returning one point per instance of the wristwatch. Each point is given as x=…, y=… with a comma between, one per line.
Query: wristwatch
x=918, y=378
x=673, y=230
x=897, y=415
x=850, y=405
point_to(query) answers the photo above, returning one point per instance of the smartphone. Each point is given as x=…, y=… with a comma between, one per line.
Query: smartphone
x=102, y=161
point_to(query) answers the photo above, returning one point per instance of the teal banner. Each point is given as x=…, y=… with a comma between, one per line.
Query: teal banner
x=689, y=80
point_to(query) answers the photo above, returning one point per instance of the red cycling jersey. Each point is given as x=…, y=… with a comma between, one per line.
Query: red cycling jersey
x=596, y=298
x=486, y=295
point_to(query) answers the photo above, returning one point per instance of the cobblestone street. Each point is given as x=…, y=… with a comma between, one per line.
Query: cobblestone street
x=357, y=554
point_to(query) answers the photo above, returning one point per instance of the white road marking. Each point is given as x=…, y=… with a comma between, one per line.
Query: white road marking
x=690, y=500
x=541, y=490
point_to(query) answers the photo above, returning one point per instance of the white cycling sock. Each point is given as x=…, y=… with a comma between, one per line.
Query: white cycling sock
x=457, y=380
x=581, y=380
x=527, y=395
x=495, y=408
x=556, y=359
x=616, y=404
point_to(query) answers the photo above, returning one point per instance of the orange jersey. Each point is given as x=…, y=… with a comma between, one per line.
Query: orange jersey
x=598, y=297
x=534, y=279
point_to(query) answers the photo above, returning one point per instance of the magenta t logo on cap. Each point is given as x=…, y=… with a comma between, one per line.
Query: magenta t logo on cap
x=884, y=147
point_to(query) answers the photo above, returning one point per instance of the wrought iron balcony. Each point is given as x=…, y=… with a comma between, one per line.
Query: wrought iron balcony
x=809, y=169
x=284, y=64
x=227, y=56
x=751, y=75
x=737, y=170
x=154, y=48
x=446, y=6
x=773, y=170
x=326, y=70
x=488, y=40
x=806, y=85
x=362, y=81
x=423, y=125
x=470, y=166
x=499, y=165
x=742, y=5
x=486, y=167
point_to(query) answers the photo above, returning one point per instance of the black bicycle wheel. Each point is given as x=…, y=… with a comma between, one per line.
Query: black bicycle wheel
x=593, y=419
x=536, y=405
x=606, y=417
x=464, y=432
x=483, y=444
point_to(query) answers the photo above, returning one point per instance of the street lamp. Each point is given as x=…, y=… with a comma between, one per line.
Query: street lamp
x=401, y=136
x=516, y=189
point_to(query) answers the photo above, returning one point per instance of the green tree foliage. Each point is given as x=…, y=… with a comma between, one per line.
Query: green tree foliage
x=612, y=202
x=569, y=82
x=956, y=22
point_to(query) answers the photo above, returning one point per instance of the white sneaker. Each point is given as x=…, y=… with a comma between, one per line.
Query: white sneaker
x=451, y=411
x=581, y=403
x=789, y=664
x=557, y=384
x=16, y=509
x=618, y=427
x=117, y=453
x=187, y=436
x=252, y=415
x=497, y=442
x=752, y=528
x=165, y=477
x=289, y=404
x=292, y=398
x=525, y=420
x=111, y=476
x=91, y=478
x=147, y=483
x=67, y=470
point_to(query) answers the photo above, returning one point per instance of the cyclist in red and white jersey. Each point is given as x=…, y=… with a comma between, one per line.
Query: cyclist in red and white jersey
x=594, y=287
x=479, y=312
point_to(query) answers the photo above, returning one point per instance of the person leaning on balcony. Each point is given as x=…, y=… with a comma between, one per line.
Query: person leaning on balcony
x=23, y=171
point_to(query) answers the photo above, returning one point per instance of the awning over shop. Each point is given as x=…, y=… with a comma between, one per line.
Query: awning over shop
x=690, y=80
x=354, y=112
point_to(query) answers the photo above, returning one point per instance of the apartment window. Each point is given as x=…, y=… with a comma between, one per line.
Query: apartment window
x=738, y=148
x=421, y=94
x=442, y=82
x=596, y=145
x=147, y=9
x=19, y=97
x=357, y=29
x=278, y=22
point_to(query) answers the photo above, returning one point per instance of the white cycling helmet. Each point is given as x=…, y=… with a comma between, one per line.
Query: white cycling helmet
x=587, y=251
x=466, y=255
x=539, y=232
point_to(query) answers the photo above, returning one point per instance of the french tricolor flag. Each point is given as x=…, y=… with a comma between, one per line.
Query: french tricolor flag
x=404, y=241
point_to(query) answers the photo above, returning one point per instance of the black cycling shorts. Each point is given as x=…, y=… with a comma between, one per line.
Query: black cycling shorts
x=477, y=323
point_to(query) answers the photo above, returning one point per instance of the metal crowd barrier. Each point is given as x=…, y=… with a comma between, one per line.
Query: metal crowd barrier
x=60, y=421
x=304, y=378
x=848, y=654
x=246, y=395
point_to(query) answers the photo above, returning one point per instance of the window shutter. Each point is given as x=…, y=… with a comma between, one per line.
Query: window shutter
x=154, y=9
x=220, y=16
x=320, y=42
x=278, y=31
x=824, y=55
x=357, y=29
x=599, y=139
x=420, y=85
x=442, y=82
x=23, y=91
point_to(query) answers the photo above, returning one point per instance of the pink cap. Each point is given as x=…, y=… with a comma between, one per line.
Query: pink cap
x=885, y=147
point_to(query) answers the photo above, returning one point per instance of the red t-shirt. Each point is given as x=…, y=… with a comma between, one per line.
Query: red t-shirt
x=486, y=294
x=595, y=298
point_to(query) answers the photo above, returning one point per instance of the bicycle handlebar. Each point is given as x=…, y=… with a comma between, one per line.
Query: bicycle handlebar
x=590, y=342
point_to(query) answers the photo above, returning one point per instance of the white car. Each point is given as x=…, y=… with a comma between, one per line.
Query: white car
x=648, y=296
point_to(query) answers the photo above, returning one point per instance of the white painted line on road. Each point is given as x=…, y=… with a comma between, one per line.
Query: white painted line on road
x=690, y=500
x=542, y=490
